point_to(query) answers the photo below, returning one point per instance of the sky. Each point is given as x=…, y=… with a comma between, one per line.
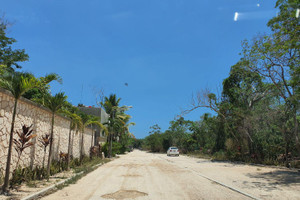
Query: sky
x=152, y=54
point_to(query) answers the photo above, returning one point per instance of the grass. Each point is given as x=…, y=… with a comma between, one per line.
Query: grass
x=31, y=184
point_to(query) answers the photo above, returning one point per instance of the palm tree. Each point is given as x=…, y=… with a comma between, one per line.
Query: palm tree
x=94, y=118
x=17, y=83
x=55, y=104
x=75, y=124
x=111, y=105
x=86, y=121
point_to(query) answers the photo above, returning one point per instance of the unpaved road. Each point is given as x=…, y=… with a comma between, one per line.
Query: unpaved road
x=141, y=175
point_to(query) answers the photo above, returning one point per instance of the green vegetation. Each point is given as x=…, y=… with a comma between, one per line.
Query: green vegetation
x=118, y=125
x=29, y=176
x=257, y=114
x=8, y=56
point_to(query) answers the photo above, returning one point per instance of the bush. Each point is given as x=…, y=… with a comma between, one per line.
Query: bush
x=21, y=175
x=57, y=166
x=220, y=155
x=117, y=148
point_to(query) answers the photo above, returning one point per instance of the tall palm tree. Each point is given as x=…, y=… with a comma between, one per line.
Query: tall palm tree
x=86, y=121
x=76, y=123
x=17, y=83
x=55, y=104
x=93, y=118
x=111, y=106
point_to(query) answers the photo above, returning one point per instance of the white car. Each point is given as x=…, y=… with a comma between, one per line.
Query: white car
x=173, y=151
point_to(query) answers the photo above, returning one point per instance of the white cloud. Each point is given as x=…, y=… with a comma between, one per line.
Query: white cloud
x=236, y=15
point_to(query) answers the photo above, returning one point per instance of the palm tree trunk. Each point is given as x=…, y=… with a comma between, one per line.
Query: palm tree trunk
x=110, y=146
x=92, y=136
x=72, y=146
x=7, y=170
x=81, y=148
x=51, y=144
x=296, y=127
x=69, y=148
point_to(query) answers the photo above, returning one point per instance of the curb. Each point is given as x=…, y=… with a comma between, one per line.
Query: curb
x=45, y=190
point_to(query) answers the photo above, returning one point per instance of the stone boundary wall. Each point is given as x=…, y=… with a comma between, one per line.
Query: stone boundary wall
x=29, y=113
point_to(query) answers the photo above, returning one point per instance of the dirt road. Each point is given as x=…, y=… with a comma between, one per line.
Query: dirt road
x=141, y=175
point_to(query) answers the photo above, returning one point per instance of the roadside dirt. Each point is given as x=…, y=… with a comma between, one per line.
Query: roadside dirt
x=35, y=186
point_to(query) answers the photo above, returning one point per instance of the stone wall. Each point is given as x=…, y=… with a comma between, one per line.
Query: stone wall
x=30, y=113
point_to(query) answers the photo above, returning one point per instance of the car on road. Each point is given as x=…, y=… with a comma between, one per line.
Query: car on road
x=173, y=151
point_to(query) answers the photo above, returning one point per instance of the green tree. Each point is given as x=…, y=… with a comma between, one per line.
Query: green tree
x=76, y=123
x=87, y=120
x=276, y=58
x=111, y=107
x=154, y=140
x=17, y=83
x=8, y=56
x=55, y=104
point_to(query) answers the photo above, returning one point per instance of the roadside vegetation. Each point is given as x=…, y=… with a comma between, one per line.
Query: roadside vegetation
x=256, y=115
x=37, y=89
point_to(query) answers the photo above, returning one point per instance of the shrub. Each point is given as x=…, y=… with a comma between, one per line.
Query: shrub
x=74, y=163
x=26, y=174
x=117, y=148
x=220, y=155
x=24, y=140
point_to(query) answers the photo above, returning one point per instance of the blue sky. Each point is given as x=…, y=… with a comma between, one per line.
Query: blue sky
x=164, y=49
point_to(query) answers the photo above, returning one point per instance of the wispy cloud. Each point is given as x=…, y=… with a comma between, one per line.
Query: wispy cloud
x=254, y=15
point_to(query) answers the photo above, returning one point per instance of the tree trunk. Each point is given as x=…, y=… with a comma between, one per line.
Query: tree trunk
x=92, y=142
x=296, y=127
x=51, y=144
x=7, y=170
x=69, y=148
x=287, y=149
x=110, y=146
x=72, y=146
x=81, y=148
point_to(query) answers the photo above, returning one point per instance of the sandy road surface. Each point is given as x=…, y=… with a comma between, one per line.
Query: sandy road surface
x=141, y=175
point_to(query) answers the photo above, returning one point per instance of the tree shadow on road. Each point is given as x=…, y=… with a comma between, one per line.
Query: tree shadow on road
x=278, y=177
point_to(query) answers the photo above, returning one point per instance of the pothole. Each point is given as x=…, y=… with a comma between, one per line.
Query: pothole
x=124, y=194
